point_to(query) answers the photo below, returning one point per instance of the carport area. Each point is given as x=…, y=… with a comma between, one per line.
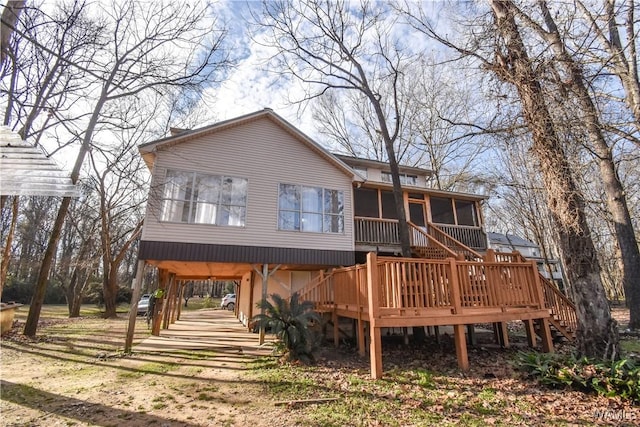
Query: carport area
x=207, y=329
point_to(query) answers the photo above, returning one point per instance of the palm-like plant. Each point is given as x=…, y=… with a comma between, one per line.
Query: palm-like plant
x=290, y=321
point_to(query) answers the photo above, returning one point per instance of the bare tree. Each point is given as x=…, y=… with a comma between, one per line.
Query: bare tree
x=147, y=47
x=342, y=46
x=589, y=117
x=597, y=333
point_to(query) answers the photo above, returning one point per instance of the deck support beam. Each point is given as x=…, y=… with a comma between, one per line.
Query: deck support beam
x=501, y=333
x=375, y=352
x=336, y=330
x=545, y=334
x=361, y=336
x=461, y=347
x=531, y=333
x=375, y=348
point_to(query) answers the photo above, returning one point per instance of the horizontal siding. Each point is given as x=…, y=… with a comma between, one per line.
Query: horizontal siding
x=266, y=155
x=200, y=252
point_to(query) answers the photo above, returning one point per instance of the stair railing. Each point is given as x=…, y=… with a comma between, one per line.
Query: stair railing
x=419, y=237
x=448, y=241
x=318, y=290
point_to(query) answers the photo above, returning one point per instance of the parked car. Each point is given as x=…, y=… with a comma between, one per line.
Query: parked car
x=228, y=301
x=143, y=304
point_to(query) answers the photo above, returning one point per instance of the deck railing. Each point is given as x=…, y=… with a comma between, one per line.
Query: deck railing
x=473, y=237
x=420, y=238
x=562, y=309
x=410, y=283
x=451, y=242
x=376, y=231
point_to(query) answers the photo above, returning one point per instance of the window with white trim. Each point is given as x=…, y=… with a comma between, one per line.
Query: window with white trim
x=404, y=178
x=198, y=198
x=310, y=209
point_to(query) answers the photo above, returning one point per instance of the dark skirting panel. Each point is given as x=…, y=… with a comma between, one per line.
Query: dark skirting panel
x=150, y=250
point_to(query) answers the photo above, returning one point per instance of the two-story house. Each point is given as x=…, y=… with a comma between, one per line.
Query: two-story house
x=229, y=198
x=256, y=200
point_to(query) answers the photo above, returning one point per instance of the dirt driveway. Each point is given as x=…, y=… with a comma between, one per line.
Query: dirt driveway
x=193, y=375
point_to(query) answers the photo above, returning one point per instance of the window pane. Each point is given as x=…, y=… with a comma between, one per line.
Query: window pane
x=234, y=191
x=442, y=210
x=231, y=215
x=172, y=210
x=333, y=224
x=178, y=185
x=288, y=220
x=333, y=201
x=388, y=205
x=386, y=177
x=365, y=202
x=466, y=213
x=311, y=199
x=312, y=222
x=205, y=213
x=289, y=198
x=207, y=188
x=409, y=179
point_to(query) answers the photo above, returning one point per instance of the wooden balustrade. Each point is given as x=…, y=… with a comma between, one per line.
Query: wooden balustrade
x=376, y=231
x=453, y=243
x=473, y=237
x=562, y=309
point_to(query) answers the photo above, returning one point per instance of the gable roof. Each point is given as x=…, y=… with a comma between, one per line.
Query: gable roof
x=26, y=171
x=510, y=240
x=179, y=136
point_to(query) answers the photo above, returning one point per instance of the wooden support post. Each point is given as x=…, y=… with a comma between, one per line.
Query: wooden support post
x=461, y=347
x=361, y=336
x=375, y=350
x=264, y=274
x=436, y=332
x=545, y=333
x=454, y=283
x=166, y=306
x=531, y=333
x=504, y=334
x=133, y=311
x=471, y=332
x=336, y=329
x=405, y=336
x=175, y=302
x=180, y=299
x=163, y=279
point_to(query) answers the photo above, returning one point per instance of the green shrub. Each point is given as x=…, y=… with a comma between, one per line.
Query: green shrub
x=619, y=378
x=208, y=302
x=290, y=321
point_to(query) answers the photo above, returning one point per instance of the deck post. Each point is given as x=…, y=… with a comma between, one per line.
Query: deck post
x=545, y=333
x=163, y=278
x=360, y=334
x=503, y=334
x=166, y=307
x=471, y=331
x=490, y=256
x=531, y=333
x=455, y=287
x=182, y=289
x=336, y=330
x=375, y=349
x=461, y=347
x=538, y=284
x=128, y=342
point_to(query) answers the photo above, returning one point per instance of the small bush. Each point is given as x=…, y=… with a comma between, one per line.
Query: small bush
x=208, y=302
x=612, y=379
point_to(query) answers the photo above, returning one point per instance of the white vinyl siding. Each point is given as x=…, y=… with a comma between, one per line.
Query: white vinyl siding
x=266, y=155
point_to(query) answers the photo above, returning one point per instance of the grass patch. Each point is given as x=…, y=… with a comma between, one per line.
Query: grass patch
x=630, y=346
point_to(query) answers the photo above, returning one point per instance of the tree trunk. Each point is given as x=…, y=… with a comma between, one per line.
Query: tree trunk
x=597, y=331
x=110, y=293
x=6, y=252
x=616, y=199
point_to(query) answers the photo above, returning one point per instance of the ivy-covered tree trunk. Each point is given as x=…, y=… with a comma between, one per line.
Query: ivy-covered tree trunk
x=597, y=332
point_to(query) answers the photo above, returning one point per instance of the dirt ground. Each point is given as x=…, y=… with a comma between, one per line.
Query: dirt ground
x=74, y=374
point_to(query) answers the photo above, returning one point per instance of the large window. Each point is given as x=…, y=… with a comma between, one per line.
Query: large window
x=198, y=198
x=311, y=209
x=404, y=178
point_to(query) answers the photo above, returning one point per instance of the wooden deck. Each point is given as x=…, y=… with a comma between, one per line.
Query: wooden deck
x=405, y=292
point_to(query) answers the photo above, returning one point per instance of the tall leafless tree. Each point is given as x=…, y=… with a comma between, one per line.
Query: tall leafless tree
x=343, y=46
x=147, y=47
